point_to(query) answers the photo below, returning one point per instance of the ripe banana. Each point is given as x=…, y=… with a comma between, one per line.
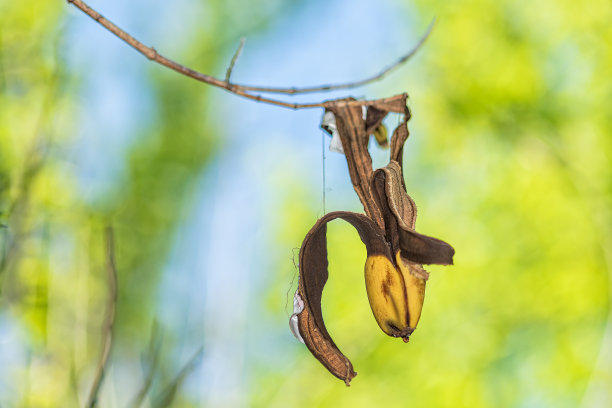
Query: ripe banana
x=396, y=294
x=395, y=280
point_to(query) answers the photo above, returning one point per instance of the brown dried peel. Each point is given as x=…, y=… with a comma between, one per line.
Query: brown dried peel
x=395, y=279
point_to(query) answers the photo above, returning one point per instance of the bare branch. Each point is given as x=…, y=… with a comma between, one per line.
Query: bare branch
x=348, y=85
x=109, y=321
x=228, y=73
x=239, y=90
x=153, y=55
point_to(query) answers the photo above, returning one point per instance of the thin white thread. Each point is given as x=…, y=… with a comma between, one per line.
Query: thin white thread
x=323, y=166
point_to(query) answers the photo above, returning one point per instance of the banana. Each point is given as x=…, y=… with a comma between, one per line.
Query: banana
x=396, y=294
x=414, y=278
x=395, y=280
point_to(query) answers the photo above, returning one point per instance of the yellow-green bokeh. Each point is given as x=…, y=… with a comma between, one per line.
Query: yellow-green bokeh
x=509, y=160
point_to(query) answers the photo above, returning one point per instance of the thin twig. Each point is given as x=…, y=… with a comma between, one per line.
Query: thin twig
x=228, y=73
x=348, y=85
x=109, y=321
x=239, y=90
x=153, y=55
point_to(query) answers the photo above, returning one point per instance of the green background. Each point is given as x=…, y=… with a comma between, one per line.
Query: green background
x=509, y=160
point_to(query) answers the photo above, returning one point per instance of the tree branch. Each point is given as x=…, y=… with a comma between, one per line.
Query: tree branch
x=228, y=73
x=243, y=90
x=348, y=85
x=109, y=322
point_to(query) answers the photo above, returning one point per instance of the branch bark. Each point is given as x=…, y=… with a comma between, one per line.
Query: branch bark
x=228, y=73
x=245, y=90
x=349, y=85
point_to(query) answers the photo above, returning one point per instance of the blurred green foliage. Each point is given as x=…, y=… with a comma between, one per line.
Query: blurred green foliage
x=509, y=161
x=40, y=204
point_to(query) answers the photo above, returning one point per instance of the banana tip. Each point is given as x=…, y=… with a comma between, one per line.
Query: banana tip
x=405, y=334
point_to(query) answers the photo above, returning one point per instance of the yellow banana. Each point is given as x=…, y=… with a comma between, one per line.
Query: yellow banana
x=414, y=278
x=396, y=294
x=395, y=280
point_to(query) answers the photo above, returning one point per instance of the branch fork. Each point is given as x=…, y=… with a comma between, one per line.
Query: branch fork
x=246, y=91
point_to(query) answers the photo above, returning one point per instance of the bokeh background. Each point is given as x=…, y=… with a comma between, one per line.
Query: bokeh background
x=210, y=196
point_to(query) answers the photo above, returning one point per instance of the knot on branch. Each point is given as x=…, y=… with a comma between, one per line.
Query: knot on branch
x=151, y=53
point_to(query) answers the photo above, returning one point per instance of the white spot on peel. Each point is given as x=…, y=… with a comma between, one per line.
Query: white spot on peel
x=329, y=122
x=298, y=306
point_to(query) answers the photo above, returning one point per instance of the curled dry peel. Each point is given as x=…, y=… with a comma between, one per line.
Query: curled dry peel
x=395, y=278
